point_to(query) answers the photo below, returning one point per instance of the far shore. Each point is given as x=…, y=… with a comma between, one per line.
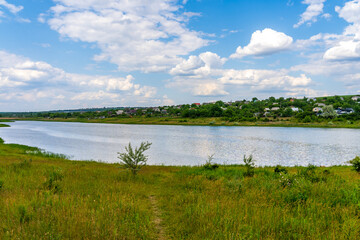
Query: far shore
x=284, y=122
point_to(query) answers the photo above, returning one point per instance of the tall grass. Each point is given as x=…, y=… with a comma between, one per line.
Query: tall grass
x=47, y=197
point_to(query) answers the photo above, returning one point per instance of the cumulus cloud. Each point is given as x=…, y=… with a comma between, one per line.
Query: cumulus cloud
x=264, y=42
x=197, y=76
x=22, y=79
x=314, y=9
x=346, y=50
x=195, y=65
x=349, y=47
x=134, y=35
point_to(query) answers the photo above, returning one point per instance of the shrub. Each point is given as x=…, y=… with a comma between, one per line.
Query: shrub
x=249, y=165
x=53, y=181
x=134, y=160
x=355, y=164
x=280, y=169
x=209, y=165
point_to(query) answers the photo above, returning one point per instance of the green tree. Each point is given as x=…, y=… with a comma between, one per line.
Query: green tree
x=134, y=159
x=329, y=112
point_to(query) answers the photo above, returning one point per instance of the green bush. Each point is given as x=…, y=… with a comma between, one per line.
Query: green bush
x=54, y=178
x=356, y=164
x=209, y=165
x=134, y=160
x=280, y=169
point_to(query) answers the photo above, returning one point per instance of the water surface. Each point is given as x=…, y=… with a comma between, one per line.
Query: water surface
x=190, y=145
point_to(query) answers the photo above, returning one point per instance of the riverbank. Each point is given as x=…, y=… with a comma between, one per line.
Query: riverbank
x=44, y=196
x=284, y=122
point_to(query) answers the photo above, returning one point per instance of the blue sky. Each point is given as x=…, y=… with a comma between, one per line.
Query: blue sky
x=67, y=54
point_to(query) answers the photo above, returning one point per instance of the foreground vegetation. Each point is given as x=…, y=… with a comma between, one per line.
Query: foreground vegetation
x=45, y=196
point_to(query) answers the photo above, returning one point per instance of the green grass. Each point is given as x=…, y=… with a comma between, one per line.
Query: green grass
x=45, y=196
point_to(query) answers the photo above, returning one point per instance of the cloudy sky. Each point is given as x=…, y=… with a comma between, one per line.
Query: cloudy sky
x=66, y=54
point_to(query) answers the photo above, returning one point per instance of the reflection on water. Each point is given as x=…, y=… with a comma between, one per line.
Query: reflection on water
x=190, y=145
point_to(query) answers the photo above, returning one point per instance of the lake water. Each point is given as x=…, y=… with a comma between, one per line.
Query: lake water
x=190, y=145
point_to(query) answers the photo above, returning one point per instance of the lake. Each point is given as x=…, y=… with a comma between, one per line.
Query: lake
x=190, y=145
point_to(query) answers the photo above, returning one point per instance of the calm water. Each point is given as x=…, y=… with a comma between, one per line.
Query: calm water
x=190, y=145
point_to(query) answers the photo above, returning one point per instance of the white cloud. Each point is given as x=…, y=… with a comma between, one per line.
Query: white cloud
x=263, y=79
x=199, y=78
x=202, y=64
x=314, y=9
x=134, y=35
x=46, y=87
x=349, y=47
x=346, y=50
x=11, y=7
x=264, y=42
x=100, y=95
x=146, y=91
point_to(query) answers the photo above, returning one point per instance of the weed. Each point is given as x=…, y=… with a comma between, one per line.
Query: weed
x=209, y=165
x=24, y=165
x=54, y=178
x=1, y=184
x=24, y=217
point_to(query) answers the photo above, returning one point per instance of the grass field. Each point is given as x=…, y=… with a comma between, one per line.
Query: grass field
x=45, y=196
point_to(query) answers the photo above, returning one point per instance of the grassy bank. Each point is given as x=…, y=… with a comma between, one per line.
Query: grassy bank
x=283, y=122
x=45, y=196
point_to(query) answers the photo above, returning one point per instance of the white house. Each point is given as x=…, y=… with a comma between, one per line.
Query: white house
x=294, y=109
x=355, y=98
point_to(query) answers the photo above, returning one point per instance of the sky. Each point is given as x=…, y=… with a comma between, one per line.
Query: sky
x=69, y=54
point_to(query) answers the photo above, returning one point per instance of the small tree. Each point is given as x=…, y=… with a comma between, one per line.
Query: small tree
x=250, y=165
x=134, y=160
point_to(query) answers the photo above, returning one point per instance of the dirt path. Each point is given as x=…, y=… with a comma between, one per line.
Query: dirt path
x=157, y=218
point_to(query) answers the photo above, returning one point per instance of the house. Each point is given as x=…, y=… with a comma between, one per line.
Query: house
x=197, y=104
x=341, y=111
x=292, y=99
x=317, y=109
x=294, y=109
x=320, y=105
x=119, y=112
x=275, y=108
x=355, y=98
x=266, y=109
